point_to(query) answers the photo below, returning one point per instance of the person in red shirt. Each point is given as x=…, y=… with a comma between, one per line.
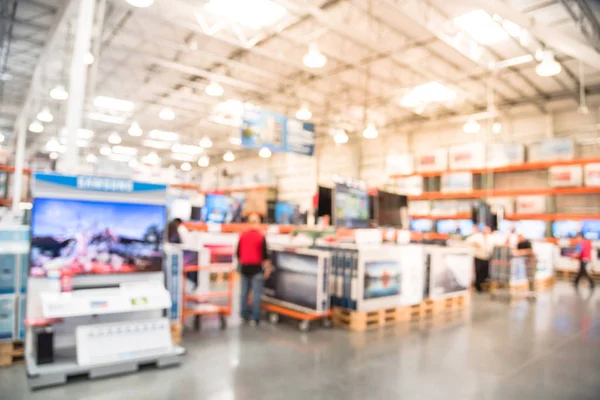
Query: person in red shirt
x=584, y=253
x=255, y=267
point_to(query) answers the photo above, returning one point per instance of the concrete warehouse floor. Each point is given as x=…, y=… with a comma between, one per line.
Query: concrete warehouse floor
x=549, y=349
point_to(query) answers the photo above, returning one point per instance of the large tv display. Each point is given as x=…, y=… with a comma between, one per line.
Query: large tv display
x=447, y=226
x=532, y=229
x=221, y=209
x=324, y=201
x=421, y=225
x=382, y=279
x=91, y=237
x=388, y=208
x=351, y=207
x=565, y=229
x=287, y=213
x=451, y=272
x=591, y=229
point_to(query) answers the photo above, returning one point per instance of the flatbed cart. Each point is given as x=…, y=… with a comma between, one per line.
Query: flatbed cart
x=304, y=319
x=202, y=300
x=504, y=267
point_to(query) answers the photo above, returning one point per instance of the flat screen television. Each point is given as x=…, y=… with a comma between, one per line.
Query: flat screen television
x=196, y=214
x=531, y=229
x=591, y=229
x=79, y=237
x=284, y=212
x=351, y=207
x=421, y=225
x=324, y=201
x=388, y=208
x=220, y=209
x=565, y=229
x=447, y=226
x=465, y=227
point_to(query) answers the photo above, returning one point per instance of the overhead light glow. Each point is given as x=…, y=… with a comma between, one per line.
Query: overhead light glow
x=59, y=93
x=2, y=138
x=163, y=135
x=88, y=58
x=81, y=143
x=36, y=127
x=235, y=140
x=186, y=166
x=152, y=159
x=131, y=151
x=111, y=119
x=471, y=126
x=45, y=115
x=481, y=27
x=135, y=129
x=427, y=93
x=203, y=161
x=548, y=66
x=193, y=44
x=304, y=113
x=186, y=148
x=53, y=155
x=512, y=28
x=214, y=89
x=120, y=157
x=133, y=163
x=253, y=14
x=105, y=151
x=156, y=144
x=140, y=3
x=167, y=114
x=182, y=157
x=91, y=158
x=206, y=142
x=229, y=156
x=370, y=131
x=114, y=138
x=497, y=127
x=111, y=103
x=339, y=136
x=264, y=152
x=53, y=145
x=314, y=58
x=82, y=133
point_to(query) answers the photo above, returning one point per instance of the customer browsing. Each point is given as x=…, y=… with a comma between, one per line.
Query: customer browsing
x=584, y=252
x=482, y=244
x=255, y=267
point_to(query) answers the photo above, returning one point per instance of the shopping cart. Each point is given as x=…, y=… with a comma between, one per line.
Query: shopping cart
x=511, y=276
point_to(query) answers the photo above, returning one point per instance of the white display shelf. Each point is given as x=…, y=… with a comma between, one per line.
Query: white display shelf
x=127, y=298
x=65, y=365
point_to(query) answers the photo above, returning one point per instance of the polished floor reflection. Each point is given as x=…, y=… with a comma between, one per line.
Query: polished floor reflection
x=548, y=349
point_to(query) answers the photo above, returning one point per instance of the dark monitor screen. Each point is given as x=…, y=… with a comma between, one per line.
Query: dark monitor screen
x=389, y=206
x=324, y=201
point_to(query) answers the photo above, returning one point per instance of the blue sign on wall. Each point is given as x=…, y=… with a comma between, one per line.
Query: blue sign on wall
x=277, y=132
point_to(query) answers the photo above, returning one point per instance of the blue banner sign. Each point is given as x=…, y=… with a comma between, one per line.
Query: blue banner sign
x=278, y=133
x=98, y=183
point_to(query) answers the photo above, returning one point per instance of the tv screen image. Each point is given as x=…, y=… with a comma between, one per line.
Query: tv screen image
x=351, y=207
x=287, y=213
x=532, y=229
x=565, y=229
x=450, y=273
x=591, y=229
x=421, y=225
x=382, y=279
x=221, y=209
x=447, y=226
x=466, y=227
x=91, y=237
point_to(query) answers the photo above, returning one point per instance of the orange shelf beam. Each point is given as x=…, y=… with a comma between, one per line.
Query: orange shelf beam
x=506, y=193
x=528, y=166
x=197, y=268
x=236, y=228
x=449, y=216
x=208, y=295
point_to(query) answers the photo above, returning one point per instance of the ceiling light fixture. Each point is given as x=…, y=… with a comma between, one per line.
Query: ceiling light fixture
x=120, y=157
x=203, y=161
x=131, y=151
x=53, y=145
x=105, y=151
x=304, y=113
x=264, y=152
x=91, y=158
x=45, y=115
x=339, y=136
x=370, y=131
x=156, y=144
x=253, y=14
x=167, y=114
x=113, y=104
x=140, y=3
x=59, y=93
x=152, y=159
x=81, y=143
x=187, y=149
x=88, y=58
x=497, y=127
x=229, y=156
x=53, y=155
x=2, y=138
x=427, y=93
x=480, y=26
x=214, y=89
x=111, y=119
x=82, y=133
x=163, y=135
x=206, y=142
x=114, y=138
x=36, y=127
x=135, y=129
x=186, y=166
x=314, y=58
x=182, y=157
x=471, y=126
x=548, y=66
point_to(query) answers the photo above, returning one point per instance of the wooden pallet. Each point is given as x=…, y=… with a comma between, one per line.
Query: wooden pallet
x=428, y=309
x=11, y=353
x=176, y=332
x=541, y=284
x=520, y=287
x=572, y=274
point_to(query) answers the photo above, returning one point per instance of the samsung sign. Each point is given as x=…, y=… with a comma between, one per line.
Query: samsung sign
x=104, y=184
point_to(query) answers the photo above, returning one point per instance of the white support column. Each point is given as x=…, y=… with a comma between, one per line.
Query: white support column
x=77, y=81
x=17, y=186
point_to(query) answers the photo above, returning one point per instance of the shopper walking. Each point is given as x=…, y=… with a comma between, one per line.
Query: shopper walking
x=584, y=252
x=255, y=267
x=482, y=243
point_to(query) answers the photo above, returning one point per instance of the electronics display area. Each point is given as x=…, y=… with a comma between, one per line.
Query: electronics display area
x=76, y=237
x=451, y=271
x=351, y=207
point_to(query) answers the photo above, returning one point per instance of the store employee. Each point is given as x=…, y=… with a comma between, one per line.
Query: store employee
x=255, y=267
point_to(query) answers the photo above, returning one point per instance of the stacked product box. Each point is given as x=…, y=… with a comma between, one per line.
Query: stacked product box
x=343, y=276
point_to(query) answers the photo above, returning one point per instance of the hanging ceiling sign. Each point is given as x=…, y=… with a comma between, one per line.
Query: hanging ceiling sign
x=277, y=132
